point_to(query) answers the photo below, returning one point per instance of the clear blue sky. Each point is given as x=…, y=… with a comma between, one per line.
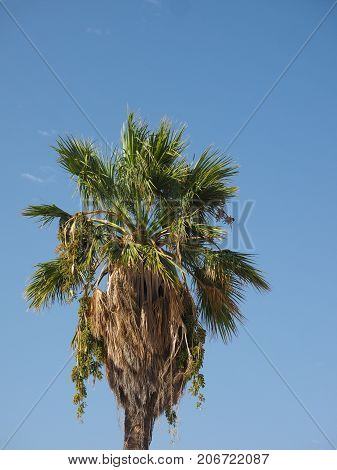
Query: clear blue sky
x=206, y=63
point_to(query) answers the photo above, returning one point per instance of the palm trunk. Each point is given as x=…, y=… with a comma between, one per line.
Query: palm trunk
x=137, y=430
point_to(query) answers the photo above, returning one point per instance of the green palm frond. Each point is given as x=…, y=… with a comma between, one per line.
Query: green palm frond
x=208, y=181
x=134, y=133
x=218, y=303
x=219, y=278
x=151, y=164
x=48, y=284
x=220, y=321
x=46, y=213
x=94, y=174
x=167, y=145
x=221, y=263
x=167, y=168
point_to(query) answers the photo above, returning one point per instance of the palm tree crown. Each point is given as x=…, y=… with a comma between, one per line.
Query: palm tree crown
x=143, y=260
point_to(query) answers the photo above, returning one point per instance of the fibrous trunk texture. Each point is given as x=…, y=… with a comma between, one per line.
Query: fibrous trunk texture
x=137, y=430
x=140, y=318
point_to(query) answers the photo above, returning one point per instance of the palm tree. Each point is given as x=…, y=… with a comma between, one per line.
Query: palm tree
x=143, y=261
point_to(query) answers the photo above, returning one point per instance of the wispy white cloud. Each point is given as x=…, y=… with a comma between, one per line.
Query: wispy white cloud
x=33, y=178
x=46, y=174
x=97, y=31
x=45, y=133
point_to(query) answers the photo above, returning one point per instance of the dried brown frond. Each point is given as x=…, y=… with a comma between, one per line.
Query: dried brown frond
x=142, y=322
